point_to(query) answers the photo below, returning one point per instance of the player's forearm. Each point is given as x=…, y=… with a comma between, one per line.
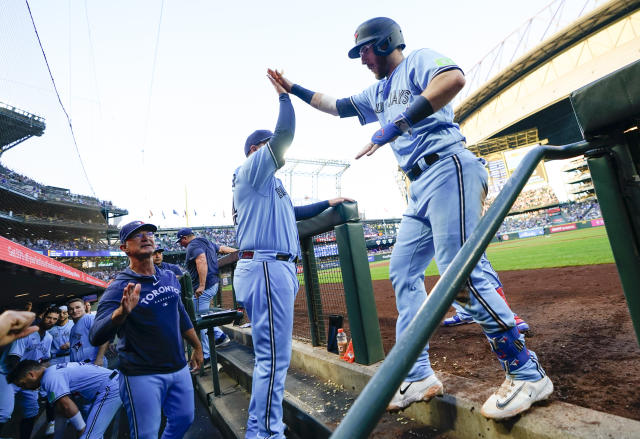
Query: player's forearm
x=310, y=210
x=202, y=268
x=319, y=101
x=192, y=338
x=108, y=320
x=100, y=355
x=285, y=130
x=225, y=250
x=66, y=407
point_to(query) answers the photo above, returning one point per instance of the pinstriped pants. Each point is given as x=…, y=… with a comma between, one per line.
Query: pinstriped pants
x=445, y=206
x=267, y=289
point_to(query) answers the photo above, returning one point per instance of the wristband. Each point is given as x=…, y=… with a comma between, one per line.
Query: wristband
x=386, y=134
x=302, y=93
x=418, y=110
x=77, y=421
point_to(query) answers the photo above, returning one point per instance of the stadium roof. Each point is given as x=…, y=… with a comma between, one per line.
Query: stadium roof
x=29, y=276
x=17, y=125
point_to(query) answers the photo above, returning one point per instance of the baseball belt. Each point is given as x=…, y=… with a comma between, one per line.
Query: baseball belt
x=421, y=165
x=249, y=254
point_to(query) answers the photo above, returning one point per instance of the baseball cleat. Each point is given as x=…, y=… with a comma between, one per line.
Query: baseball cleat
x=457, y=320
x=410, y=392
x=222, y=341
x=521, y=324
x=515, y=396
x=51, y=428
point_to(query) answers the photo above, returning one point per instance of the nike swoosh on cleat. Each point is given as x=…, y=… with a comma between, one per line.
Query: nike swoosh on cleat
x=403, y=391
x=503, y=404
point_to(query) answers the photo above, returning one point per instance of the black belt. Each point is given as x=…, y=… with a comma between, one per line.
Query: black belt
x=416, y=170
x=64, y=354
x=249, y=254
x=113, y=374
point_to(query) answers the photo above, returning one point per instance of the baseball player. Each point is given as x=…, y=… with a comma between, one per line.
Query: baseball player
x=143, y=307
x=94, y=384
x=265, y=277
x=157, y=261
x=411, y=101
x=81, y=349
x=36, y=346
x=461, y=317
x=202, y=263
x=61, y=333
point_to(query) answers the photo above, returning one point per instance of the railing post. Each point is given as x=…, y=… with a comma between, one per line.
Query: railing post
x=612, y=172
x=358, y=291
x=312, y=290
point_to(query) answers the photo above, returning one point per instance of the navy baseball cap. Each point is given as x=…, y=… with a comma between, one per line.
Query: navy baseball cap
x=158, y=250
x=129, y=229
x=256, y=137
x=184, y=232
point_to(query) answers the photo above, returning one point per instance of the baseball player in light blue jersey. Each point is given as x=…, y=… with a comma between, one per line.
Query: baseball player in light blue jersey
x=36, y=346
x=265, y=278
x=143, y=307
x=411, y=102
x=61, y=333
x=93, y=384
x=81, y=348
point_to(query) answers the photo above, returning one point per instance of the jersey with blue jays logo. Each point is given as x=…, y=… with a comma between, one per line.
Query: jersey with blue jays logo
x=61, y=335
x=262, y=210
x=81, y=348
x=77, y=379
x=32, y=347
x=389, y=97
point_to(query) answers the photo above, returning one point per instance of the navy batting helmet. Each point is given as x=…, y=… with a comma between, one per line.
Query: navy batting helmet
x=384, y=33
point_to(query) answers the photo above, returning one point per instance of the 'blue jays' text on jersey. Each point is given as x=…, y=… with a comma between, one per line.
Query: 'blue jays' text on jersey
x=263, y=212
x=387, y=98
x=32, y=347
x=150, y=339
x=77, y=379
x=199, y=246
x=61, y=335
x=81, y=348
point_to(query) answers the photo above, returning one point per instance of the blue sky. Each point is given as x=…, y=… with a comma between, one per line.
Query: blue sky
x=148, y=136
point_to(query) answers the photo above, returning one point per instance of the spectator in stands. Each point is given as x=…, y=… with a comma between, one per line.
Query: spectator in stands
x=202, y=262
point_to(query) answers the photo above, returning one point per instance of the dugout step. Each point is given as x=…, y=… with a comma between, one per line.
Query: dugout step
x=312, y=407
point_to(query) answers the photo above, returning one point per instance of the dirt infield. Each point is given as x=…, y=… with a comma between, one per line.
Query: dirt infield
x=580, y=329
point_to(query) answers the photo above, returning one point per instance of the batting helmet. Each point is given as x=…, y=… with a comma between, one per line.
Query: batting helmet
x=384, y=33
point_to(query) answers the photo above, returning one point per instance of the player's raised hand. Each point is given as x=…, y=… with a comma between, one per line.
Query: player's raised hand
x=15, y=325
x=284, y=82
x=279, y=88
x=130, y=297
x=340, y=200
x=369, y=149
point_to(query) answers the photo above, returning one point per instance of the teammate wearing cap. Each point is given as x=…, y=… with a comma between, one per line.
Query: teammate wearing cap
x=265, y=279
x=411, y=101
x=143, y=307
x=36, y=346
x=60, y=333
x=158, y=262
x=202, y=262
x=80, y=346
x=94, y=384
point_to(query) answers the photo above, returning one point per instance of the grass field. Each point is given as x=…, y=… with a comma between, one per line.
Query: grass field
x=578, y=247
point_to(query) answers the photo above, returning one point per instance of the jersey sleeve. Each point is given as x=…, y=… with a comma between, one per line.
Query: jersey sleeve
x=194, y=250
x=55, y=384
x=259, y=167
x=103, y=329
x=365, y=106
x=426, y=64
x=18, y=347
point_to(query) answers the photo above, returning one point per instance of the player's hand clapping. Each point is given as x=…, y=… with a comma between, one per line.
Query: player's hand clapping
x=283, y=82
x=15, y=325
x=130, y=297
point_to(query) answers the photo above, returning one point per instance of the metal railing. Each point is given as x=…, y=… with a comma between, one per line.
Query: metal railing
x=363, y=416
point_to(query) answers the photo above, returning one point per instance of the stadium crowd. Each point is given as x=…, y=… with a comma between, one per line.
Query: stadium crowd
x=569, y=212
x=530, y=199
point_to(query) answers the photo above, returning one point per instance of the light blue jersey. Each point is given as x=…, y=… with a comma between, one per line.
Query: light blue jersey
x=61, y=335
x=77, y=379
x=81, y=347
x=32, y=347
x=263, y=212
x=387, y=98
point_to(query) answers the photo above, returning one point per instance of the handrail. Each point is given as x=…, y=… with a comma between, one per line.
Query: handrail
x=364, y=414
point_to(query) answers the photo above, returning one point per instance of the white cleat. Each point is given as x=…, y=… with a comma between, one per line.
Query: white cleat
x=516, y=396
x=410, y=392
x=51, y=428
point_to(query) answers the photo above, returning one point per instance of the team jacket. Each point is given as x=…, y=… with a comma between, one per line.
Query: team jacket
x=150, y=339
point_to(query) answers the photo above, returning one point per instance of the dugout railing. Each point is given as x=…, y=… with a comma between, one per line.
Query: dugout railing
x=335, y=280
x=608, y=112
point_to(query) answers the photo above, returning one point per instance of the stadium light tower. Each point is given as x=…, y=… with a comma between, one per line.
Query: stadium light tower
x=316, y=169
